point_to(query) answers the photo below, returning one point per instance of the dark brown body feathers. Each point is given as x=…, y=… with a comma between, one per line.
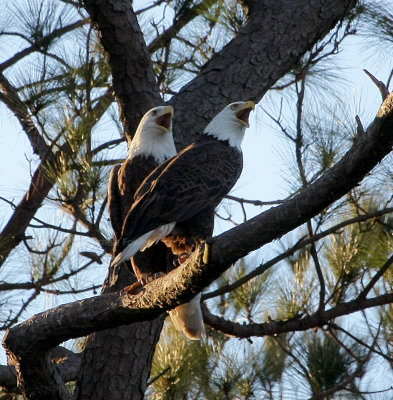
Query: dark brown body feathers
x=123, y=183
x=186, y=189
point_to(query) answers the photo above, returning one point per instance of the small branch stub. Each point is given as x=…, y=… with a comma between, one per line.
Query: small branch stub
x=379, y=84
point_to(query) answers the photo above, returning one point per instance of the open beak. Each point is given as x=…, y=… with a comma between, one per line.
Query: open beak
x=243, y=114
x=165, y=120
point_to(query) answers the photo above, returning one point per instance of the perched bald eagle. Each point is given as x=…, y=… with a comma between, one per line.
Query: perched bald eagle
x=176, y=202
x=152, y=144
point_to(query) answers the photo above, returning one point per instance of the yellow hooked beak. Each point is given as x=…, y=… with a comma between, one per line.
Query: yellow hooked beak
x=244, y=112
x=165, y=119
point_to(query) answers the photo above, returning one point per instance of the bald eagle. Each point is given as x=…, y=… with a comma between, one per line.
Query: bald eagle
x=176, y=202
x=152, y=144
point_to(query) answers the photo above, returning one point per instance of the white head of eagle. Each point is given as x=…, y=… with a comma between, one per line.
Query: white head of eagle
x=230, y=124
x=153, y=136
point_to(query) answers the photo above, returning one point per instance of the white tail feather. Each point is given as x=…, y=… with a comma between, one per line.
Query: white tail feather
x=187, y=318
x=143, y=242
x=158, y=234
x=131, y=249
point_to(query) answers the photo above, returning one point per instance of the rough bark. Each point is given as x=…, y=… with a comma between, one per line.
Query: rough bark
x=123, y=374
x=67, y=365
x=302, y=323
x=117, y=362
x=28, y=343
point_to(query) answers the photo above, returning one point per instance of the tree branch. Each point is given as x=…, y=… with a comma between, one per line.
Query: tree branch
x=363, y=294
x=333, y=325
x=10, y=98
x=67, y=363
x=304, y=323
x=14, y=231
x=179, y=22
x=253, y=202
x=42, y=43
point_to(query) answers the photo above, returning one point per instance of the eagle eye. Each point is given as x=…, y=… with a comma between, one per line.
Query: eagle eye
x=233, y=106
x=153, y=113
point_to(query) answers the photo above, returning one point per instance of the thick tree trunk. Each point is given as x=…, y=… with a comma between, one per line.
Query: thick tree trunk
x=134, y=81
x=117, y=362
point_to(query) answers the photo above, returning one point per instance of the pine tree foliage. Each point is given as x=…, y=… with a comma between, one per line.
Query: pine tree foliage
x=56, y=82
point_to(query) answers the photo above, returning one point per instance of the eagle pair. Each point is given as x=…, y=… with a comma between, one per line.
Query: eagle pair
x=157, y=196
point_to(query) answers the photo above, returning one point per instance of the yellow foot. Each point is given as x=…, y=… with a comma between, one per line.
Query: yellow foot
x=132, y=289
x=183, y=257
x=152, y=277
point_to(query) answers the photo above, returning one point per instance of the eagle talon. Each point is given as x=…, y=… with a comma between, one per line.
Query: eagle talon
x=183, y=257
x=152, y=277
x=131, y=290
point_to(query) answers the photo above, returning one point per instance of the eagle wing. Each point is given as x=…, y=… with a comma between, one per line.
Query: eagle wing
x=195, y=179
x=114, y=202
x=124, y=180
x=150, y=179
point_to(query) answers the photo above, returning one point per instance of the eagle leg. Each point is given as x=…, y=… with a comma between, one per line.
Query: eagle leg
x=180, y=258
x=152, y=277
x=131, y=289
x=183, y=257
x=194, y=243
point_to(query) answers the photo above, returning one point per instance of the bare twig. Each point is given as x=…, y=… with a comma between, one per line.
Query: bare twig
x=108, y=145
x=42, y=43
x=180, y=21
x=375, y=278
x=158, y=376
x=317, y=265
x=253, y=202
x=360, y=129
x=277, y=120
x=155, y=4
x=306, y=373
x=379, y=84
x=15, y=319
x=299, y=131
x=361, y=342
x=301, y=323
